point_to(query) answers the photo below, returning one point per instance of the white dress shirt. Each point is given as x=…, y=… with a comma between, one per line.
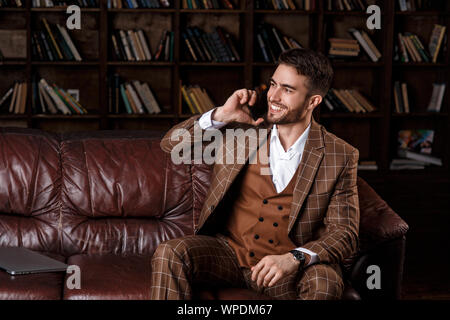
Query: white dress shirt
x=283, y=164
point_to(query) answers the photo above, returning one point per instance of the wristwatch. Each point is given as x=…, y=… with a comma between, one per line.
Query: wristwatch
x=298, y=255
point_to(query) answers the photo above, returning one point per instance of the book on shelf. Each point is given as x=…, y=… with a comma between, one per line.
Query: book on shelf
x=14, y=99
x=52, y=99
x=343, y=48
x=347, y=100
x=216, y=46
x=420, y=5
x=437, y=97
x=56, y=3
x=210, y=4
x=346, y=5
x=417, y=145
x=137, y=4
x=407, y=164
x=435, y=43
x=12, y=3
x=132, y=97
x=197, y=99
x=307, y=5
x=53, y=43
x=13, y=44
x=272, y=42
x=366, y=43
x=367, y=165
x=132, y=45
x=420, y=140
x=412, y=49
x=401, y=97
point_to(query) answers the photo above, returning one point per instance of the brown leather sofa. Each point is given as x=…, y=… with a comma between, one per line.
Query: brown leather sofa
x=105, y=200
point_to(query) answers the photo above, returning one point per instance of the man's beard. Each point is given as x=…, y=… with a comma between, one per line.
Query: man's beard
x=290, y=117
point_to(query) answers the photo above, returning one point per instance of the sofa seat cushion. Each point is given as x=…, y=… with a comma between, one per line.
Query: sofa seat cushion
x=111, y=277
x=36, y=286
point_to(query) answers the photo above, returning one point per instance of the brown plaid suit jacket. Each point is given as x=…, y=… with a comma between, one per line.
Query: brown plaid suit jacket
x=324, y=216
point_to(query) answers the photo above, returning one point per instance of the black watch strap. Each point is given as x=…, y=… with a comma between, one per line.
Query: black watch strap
x=299, y=256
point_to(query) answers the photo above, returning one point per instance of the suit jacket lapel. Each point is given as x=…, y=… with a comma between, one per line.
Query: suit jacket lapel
x=224, y=174
x=311, y=159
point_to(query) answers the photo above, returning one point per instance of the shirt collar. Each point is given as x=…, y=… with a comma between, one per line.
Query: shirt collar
x=296, y=148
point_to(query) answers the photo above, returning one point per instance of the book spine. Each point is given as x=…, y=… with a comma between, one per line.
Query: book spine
x=52, y=38
x=364, y=44
x=125, y=99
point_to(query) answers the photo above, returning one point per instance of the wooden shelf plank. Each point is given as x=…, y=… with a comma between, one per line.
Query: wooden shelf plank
x=351, y=115
x=66, y=117
x=215, y=11
x=143, y=10
x=300, y=12
x=140, y=64
x=63, y=9
x=141, y=116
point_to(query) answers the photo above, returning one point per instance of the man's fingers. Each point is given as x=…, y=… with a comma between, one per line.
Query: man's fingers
x=258, y=122
x=262, y=275
x=275, y=279
x=256, y=270
x=269, y=276
x=253, y=98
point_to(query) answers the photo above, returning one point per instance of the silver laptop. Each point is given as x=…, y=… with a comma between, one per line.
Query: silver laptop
x=18, y=260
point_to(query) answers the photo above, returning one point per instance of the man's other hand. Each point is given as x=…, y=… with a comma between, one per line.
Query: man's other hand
x=270, y=269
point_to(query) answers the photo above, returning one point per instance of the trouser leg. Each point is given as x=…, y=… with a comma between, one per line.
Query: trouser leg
x=179, y=263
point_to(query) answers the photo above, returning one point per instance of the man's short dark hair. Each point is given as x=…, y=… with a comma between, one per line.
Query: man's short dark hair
x=313, y=65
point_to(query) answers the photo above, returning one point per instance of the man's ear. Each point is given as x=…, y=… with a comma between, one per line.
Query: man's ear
x=314, y=101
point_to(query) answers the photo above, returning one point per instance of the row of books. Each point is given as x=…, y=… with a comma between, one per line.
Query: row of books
x=11, y=4
x=402, y=101
x=207, y=4
x=401, y=97
x=348, y=48
x=137, y=4
x=420, y=5
x=285, y=5
x=216, y=46
x=56, y=3
x=346, y=5
x=197, y=99
x=345, y=100
x=272, y=42
x=412, y=49
x=17, y=98
x=53, y=99
x=132, y=45
x=53, y=43
x=367, y=165
x=132, y=97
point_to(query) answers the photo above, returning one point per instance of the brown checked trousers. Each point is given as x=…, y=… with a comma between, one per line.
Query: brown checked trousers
x=324, y=218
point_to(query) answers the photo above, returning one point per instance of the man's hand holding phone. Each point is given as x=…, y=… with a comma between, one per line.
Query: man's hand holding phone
x=236, y=108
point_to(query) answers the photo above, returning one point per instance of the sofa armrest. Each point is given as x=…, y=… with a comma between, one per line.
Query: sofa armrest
x=378, y=222
x=389, y=257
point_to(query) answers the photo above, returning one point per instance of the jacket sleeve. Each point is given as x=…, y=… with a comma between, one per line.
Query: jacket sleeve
x=339, y=237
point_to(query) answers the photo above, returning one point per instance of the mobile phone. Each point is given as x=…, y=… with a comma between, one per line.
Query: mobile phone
x=260, y=108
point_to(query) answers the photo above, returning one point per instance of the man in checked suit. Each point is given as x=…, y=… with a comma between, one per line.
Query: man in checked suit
x=283, y=234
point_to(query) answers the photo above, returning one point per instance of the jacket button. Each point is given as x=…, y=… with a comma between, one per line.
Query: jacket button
x=251, y=254
x=275, y=224
x=261, y=219
x=265, y=201
x=280, y=207
x=270, y=241
x=256, y=236
x=212, y=207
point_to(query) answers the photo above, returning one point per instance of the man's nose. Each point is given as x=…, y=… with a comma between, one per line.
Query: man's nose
x=275, y=95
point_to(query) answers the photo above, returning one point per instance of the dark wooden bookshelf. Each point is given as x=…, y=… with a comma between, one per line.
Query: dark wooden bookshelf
x=374, y=134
